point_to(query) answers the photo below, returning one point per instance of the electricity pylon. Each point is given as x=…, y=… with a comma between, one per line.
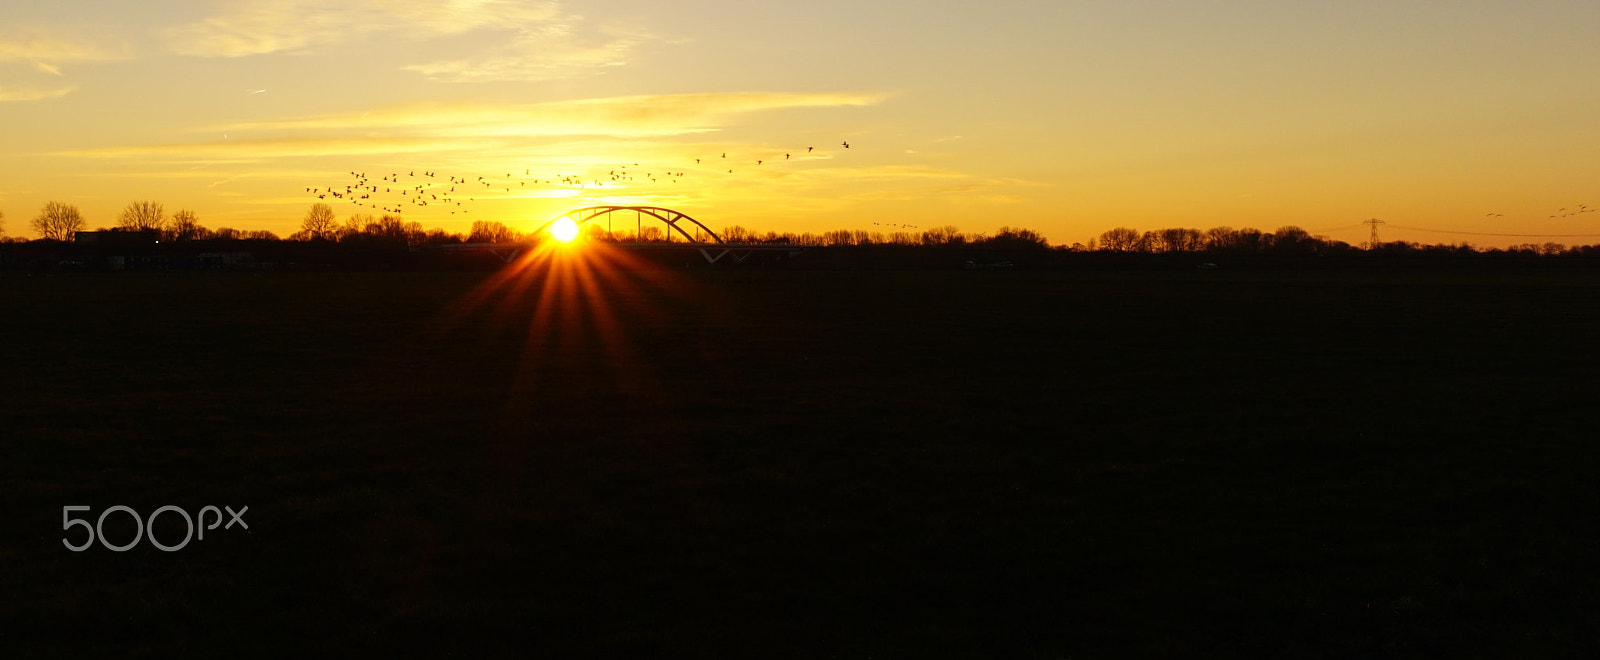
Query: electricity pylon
x=1372, y=243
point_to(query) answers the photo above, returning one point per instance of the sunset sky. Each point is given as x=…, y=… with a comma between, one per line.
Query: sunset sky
x=1067, y=117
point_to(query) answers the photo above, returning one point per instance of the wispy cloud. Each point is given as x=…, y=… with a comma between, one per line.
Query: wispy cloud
x=624, y=116
x=549, y=52
x=513, y=39
x=244, y=151
x=47, y=49
x=10, y=93
x=255, y=27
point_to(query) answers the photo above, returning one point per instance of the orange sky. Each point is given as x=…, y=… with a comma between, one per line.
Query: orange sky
x=1069, y=118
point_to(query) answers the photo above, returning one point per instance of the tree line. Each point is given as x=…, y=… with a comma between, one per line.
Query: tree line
x=57, y=221
x=61, y=222
x=1289, y=241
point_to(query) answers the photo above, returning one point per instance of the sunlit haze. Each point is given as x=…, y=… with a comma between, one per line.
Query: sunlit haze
x=564, y=230
x=1463, y=121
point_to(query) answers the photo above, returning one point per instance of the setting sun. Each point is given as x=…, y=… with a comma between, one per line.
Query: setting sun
x=564, y=230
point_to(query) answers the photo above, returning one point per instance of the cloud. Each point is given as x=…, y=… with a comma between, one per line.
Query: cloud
x=46, y=51
x=512, y=39
x=622, y=116
x=40, y=46
x=549, y=53
x=256, y=27
x=244, y=151
x=29, y=93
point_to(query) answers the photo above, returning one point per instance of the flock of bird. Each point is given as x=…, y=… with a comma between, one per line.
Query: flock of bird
x=396, y=191
x=1560, y=213
x=1582, y=208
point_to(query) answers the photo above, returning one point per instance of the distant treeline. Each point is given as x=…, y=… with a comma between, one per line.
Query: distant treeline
x=1288, y=240
x=142, y=226
x=62, y=222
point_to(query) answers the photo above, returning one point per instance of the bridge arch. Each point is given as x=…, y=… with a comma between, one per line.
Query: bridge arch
x=667, y=216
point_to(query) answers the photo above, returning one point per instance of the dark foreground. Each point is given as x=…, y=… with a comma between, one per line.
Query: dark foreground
x=823, y=464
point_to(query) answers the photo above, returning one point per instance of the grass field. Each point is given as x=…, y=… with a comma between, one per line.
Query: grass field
x=806, y=464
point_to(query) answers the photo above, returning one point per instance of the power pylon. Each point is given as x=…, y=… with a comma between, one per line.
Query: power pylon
x=1372, y=243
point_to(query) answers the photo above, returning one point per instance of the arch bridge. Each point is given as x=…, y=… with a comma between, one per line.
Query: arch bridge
x=674, y=220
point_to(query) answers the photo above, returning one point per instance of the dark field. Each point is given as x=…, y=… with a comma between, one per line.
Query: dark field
x=807, y=464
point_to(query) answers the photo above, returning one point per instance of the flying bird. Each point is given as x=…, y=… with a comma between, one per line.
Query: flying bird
x=846, y=144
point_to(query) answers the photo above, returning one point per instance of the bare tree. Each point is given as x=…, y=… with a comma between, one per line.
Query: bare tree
x=1292, y=239
x=58, y=221
x=355, y=226
x=487, y=231
x=946, y=235
x=142, y=215
x=737, y=234
x=1121, y=239
x=185, y=226
x=392, y=228
x=1018, y=238
x=2, y=224
x=319, y=223
x=1178, y=239
x=439, y=237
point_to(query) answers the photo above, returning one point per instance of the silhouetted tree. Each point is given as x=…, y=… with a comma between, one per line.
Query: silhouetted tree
x=1009, y=238
x=487, y=231
x=650, y=234
x=946, y=235
x=58, y=221
x=416, y=234
x=737, y=234
x=319, y=224
x=1292, y=240
x=2, y=223
x=389, y=229
x=142, y=215
x=1230, y=240
x=1121, y=239
x=184, y=226
x=1174, y=240
x=355, y=227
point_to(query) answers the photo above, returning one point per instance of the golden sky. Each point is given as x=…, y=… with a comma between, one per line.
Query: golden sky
x=1066, y=117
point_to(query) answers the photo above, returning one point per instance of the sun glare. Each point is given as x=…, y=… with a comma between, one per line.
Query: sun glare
x=564, y=230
